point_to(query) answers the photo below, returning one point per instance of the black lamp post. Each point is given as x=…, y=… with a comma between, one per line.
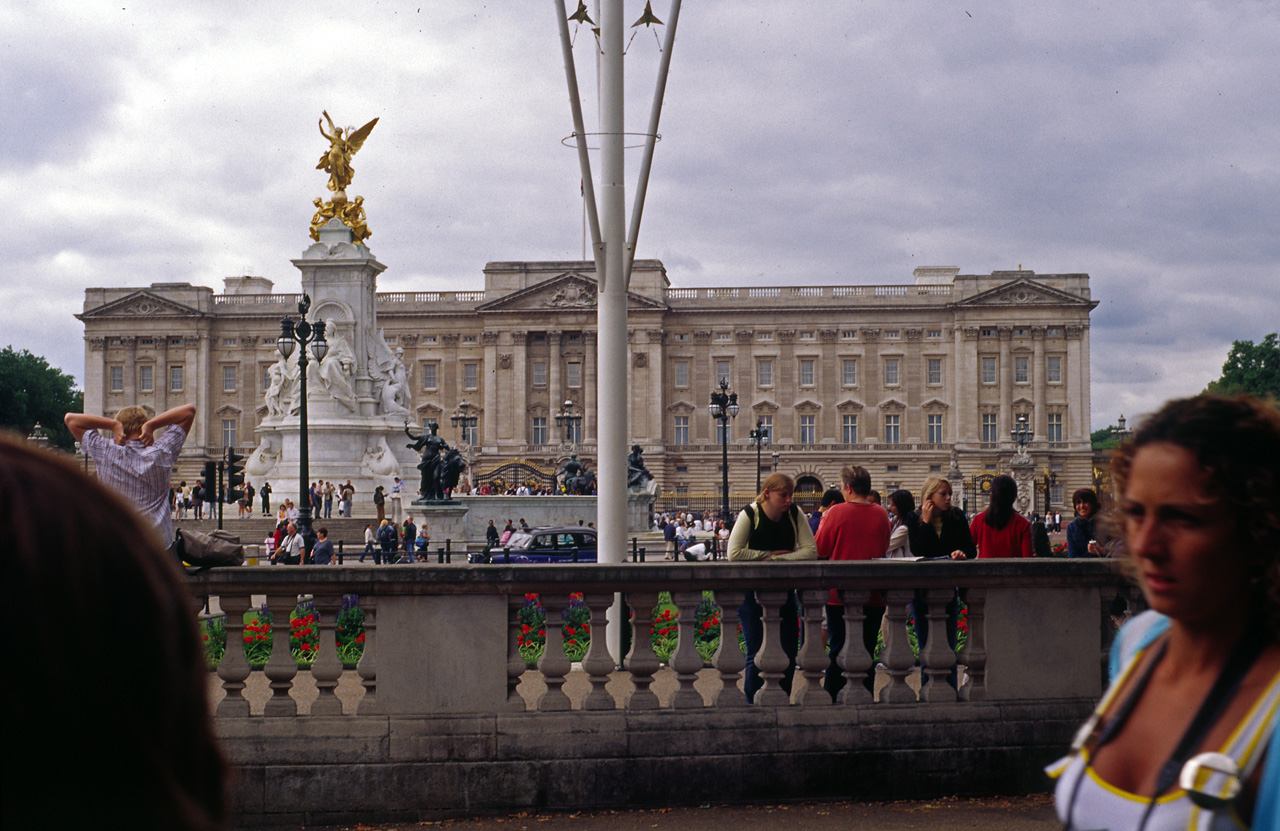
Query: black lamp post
x=1022, y=434
x=759, y=437
x=465, y=421
x=303, y=333
x=723, y=407
x=570, y=421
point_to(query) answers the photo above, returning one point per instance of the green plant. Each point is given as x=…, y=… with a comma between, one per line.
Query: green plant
x=213, y=633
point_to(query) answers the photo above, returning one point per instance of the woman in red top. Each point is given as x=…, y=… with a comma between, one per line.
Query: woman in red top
x=999, y=531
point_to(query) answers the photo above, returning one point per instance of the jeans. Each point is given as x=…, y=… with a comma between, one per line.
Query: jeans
x=346, y=508
x=834, y=680
x=750, y=615
x=919, y=612
x=328, y=507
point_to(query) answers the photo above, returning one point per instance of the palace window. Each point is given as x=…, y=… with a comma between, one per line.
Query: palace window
x=539, y=373
x=988, y=370
x=470, y=376
x=933, y=334
x=229, y=379
x=933, y=371
x=1021, y=369
x=175, y=378
x=680, y=373
x=891, y=373
x=146, y=378
x=1053, y=369
x=430, y=380
x=808, y=431
x=681, y=433
x=764, y=373
x=1055, y=427
x=934, y=426
x=538, y=431
x=722, y=371
x=989, y=428
x=892, y=428
x=573, y=374
x=806, y=372
x=228, y=432
x=849, y=429
x=117, y=379
x=849, y=372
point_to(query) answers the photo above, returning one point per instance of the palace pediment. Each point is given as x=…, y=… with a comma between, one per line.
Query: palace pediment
x=567, y=292
x=141, y=303
x=1024, y=292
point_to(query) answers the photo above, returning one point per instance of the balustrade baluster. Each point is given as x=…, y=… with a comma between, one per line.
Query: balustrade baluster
x=327, y=668
x=598, y=663
x=685, y=660
x=937, y=658
x=515, y=661
x=553, y=664
x=729, y=660
x=853, y=659
x=897, y=657
x=772, y=660
x=641, y=662
x=812, y=659
x=234, y=668
x=974, y=656
x=281, y=667
x=367, y=667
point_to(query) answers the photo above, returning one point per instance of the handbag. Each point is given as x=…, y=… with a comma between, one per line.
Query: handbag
x=217, y=548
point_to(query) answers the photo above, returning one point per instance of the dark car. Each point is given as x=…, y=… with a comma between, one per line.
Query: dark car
x=570, y=544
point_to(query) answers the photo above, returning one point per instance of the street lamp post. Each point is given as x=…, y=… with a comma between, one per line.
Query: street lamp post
x=1022, y=434
x=723, y=407
x=759, y=437
x=465, y=420
x=1050, y=479
x=570, y=421
x=303, y=333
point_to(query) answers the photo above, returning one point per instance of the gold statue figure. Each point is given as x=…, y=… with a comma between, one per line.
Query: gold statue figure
x=337, y=160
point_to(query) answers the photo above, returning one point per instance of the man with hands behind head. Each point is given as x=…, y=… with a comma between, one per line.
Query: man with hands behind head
x=138, y=464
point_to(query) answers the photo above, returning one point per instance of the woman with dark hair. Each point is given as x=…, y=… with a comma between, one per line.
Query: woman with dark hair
x=1184, y=736
x=901, y=504
x=107, y=714
x=999, y=531
x=1082, y=535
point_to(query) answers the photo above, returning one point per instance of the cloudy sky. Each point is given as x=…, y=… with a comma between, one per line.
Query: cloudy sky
x=803, y=143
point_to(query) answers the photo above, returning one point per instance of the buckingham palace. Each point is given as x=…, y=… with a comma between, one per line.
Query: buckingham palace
x=907, y=379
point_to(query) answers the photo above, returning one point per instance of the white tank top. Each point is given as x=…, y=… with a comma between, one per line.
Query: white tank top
x=1096, y=804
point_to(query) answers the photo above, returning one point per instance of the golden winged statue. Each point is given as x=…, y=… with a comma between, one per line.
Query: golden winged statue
x=337, y=159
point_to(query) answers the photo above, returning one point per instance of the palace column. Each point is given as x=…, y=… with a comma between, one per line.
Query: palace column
x=520, y=380
x=589, y=374
x=1041, y=424
x=490, y=407
x=554, y=392
x=1005, y=423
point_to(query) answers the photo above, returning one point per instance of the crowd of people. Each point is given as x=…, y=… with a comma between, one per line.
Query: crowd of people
x=1183, y=738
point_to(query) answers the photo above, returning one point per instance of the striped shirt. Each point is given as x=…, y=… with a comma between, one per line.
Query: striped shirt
x=139, y=473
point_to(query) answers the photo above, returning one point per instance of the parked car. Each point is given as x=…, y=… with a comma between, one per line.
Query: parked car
x=569, y=544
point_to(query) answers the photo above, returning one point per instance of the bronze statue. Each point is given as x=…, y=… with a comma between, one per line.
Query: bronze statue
x=430, y=445
x=337, y=160
x=577, y=479
x=637, y=474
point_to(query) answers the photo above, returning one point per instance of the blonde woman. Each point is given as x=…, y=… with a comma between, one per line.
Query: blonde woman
x=771, y=528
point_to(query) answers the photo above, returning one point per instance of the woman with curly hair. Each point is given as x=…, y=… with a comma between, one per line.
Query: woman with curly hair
x=1183, y=738
x=107, y=715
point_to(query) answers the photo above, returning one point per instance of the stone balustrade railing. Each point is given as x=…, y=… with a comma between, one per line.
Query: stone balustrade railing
x=450, y=721
x=443, y=639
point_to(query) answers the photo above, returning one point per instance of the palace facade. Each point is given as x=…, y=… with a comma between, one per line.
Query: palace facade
x=908, y=380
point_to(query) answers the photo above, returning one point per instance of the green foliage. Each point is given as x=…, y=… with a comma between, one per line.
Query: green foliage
x=32, y=391
x=1251, y=368
x=1105, y=439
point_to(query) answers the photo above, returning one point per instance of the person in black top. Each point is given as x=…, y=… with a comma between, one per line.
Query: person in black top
x=938, y=531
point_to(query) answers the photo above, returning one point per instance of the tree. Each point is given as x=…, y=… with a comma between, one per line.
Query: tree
x=31, y=391
x=1251, y=368
x=1105, y=439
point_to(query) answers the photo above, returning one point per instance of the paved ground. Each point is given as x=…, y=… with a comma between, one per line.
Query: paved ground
x=1024, y=813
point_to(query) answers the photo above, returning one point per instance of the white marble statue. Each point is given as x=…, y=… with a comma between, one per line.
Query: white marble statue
x=332, y=376
x=263, y=459
x=378, y=461
x=392, y=378
x=276, y=395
